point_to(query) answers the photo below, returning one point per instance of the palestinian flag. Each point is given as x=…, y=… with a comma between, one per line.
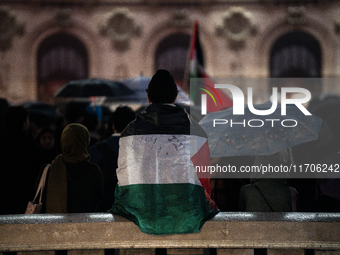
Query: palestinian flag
x=158, y=188
x=196, y=70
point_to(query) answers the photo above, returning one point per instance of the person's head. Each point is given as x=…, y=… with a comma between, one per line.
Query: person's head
x=74, y=141
x=17, y=118
x=121, y=117
x=162, y=88
x=45, y=138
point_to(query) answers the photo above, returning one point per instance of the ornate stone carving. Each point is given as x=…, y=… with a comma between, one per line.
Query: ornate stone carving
x=180, y=18
x=63, y=17
x=8, y=28
x=296, y=15
x=120, y=27
x=236, y=26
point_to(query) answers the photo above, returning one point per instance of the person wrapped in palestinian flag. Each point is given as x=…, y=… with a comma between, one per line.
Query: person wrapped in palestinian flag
x=158, y=188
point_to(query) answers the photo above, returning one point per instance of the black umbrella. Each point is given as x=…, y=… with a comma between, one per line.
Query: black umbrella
x=94, y=87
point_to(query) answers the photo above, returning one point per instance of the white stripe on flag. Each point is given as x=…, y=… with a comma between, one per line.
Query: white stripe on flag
x=157, y=159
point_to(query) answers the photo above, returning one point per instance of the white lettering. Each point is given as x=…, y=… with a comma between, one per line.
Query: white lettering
x=262, y=112
x=262, y=123
x=219, y=121
x=298, y=101
x=289, y=120
x=238, y=123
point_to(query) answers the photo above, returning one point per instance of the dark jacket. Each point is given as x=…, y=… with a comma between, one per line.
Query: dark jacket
x=85, y=188
x=105, y=155
x=21, y=159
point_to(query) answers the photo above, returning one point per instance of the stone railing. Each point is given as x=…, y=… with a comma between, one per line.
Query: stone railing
x=228, y=233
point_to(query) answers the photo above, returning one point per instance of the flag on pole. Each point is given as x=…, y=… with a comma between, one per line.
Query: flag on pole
x=196, y=70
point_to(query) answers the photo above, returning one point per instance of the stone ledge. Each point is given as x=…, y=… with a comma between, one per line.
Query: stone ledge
x=222, y=216
x=226, y=230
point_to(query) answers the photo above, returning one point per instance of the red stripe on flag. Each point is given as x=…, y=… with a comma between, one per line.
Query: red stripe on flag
x=202, y=159
x=193, y=42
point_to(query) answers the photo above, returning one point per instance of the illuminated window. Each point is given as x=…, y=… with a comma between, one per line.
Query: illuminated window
x=61, y=57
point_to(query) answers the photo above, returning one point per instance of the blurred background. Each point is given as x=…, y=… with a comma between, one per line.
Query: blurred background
x=46, y=43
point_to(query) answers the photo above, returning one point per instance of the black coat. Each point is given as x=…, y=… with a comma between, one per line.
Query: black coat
x=21, y=160
x=85, y=187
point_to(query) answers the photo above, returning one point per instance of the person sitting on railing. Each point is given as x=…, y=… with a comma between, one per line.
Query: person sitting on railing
x=158, y=188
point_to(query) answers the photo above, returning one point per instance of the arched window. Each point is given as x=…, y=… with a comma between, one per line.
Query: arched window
x=172, y=54
x=61, y=57
x=297, y=55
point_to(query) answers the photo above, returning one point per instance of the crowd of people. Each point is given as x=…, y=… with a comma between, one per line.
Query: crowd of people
x=134, y=163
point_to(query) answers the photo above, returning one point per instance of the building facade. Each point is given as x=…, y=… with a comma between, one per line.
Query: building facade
x=44, y=43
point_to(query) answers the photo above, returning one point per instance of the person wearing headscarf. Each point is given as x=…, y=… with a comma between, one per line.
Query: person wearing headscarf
x=74, y=185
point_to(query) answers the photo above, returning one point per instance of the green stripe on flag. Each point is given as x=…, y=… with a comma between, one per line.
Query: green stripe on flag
x=163, y=208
